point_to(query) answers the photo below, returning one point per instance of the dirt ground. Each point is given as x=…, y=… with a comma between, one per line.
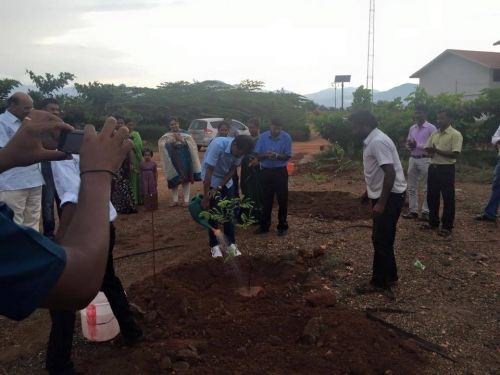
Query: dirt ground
x=308, y=317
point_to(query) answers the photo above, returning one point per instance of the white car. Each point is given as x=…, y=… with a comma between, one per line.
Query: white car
x=203, y=130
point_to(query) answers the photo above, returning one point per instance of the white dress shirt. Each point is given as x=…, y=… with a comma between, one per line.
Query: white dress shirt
x=67, y=181
x=20, y=177
x=378, y=150
x=496, y=138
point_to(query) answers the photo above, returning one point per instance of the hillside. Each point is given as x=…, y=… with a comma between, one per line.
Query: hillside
x=327, y=97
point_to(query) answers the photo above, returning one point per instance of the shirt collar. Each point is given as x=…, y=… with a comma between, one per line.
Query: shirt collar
x=426, y=124
x=370, y=136
x=13, y=119
x=274, y=138
x=446, y=130
x=227, y=150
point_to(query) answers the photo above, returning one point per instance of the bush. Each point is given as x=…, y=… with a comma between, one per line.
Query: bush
x=478, y=158
x=151, y=133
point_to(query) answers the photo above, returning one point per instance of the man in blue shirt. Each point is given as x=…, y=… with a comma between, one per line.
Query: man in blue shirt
x=221, y=159
x=274, y=149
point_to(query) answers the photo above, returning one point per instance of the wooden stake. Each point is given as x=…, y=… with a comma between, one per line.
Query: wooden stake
x=154, y=245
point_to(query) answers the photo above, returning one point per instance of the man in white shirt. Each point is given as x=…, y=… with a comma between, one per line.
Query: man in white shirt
x=490, y=212
x=21, y=187
x=66, y=175
x=386, y=188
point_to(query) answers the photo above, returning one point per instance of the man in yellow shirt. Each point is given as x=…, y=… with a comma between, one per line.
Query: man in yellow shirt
x=444, y=146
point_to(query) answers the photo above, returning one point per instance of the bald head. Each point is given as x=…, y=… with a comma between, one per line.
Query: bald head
x=20, y=105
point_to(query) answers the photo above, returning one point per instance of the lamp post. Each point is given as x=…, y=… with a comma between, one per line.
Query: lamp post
x=334, y=85
x=342, y=79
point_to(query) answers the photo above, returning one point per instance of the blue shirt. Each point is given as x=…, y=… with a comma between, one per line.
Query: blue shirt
x=20, y=177
x=218, y=155
x=282, y=144
x=30, y=266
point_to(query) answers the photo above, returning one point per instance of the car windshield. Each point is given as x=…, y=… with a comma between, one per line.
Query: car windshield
x=198, y=125
x=215, y=124
x=237, y=125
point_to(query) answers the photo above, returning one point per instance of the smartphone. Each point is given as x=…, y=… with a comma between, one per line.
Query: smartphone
x=70, y=142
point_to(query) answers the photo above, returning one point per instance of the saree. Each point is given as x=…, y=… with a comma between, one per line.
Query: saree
x=179, y=157
x=135, y=180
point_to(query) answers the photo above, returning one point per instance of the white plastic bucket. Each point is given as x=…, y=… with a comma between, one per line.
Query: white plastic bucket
x=98, y=321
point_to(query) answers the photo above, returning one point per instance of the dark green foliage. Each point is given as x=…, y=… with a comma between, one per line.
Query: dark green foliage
x=188, y=101
x=47, y=85
x=476, y=119
x=152, y=132
x=6, y=86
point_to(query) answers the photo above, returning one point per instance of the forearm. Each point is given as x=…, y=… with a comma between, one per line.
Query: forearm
x=207, y=182
x=448, y=154
x=85, y=237
x=228, y=176
x=5, y=161
x=389, y=178
x=282, y=157
x=262, y=156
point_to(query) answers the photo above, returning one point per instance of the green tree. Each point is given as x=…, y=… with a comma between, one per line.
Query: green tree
x=361, y=99
x=6, y=86
x=251, y=85
x=50, y=83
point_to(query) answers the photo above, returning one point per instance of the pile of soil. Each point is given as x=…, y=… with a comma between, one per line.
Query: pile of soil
x=196, y=322
x=334, y=205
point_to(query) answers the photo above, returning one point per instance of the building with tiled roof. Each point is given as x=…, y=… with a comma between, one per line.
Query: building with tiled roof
x=460, y=72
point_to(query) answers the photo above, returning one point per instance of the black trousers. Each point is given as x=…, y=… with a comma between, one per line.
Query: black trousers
x=49, y=194
x=274, y=182
x=441, y=182
x=58, y=360
x=384, y=233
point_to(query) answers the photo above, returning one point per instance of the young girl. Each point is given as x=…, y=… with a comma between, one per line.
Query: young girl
x=149, y=181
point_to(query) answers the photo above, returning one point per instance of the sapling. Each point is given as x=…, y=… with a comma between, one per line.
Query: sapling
x=226, y=210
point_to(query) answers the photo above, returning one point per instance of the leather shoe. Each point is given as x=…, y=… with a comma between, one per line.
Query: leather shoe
x=261, y=230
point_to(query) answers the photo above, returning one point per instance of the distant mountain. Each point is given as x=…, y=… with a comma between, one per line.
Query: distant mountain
x=327, y=97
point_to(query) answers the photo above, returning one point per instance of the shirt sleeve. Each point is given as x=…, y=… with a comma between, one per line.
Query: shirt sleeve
x=30, y=266
x=383, y=153
x=456, y=142
x=428, y=144
x=409, y=133
x=213, y=153
x=258, y=146
x=496, y=137
x=288, y=146
x=66, y=180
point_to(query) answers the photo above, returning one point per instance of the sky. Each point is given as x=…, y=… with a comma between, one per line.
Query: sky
x=298, y=45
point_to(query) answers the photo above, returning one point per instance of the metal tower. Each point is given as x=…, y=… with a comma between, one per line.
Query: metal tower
x=371, y=48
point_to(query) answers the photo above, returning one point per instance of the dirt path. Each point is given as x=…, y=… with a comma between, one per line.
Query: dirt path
x=329, y=240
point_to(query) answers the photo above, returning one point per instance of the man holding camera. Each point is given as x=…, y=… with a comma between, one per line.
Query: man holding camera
x=34, y=271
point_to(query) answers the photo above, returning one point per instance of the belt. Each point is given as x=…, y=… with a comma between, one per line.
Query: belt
x=419, y=156
x=442, y=165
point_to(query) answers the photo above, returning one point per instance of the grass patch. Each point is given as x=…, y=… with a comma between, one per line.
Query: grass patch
x=467, y=173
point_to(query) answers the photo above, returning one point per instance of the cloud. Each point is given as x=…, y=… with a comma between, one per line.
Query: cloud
x=119, y=5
